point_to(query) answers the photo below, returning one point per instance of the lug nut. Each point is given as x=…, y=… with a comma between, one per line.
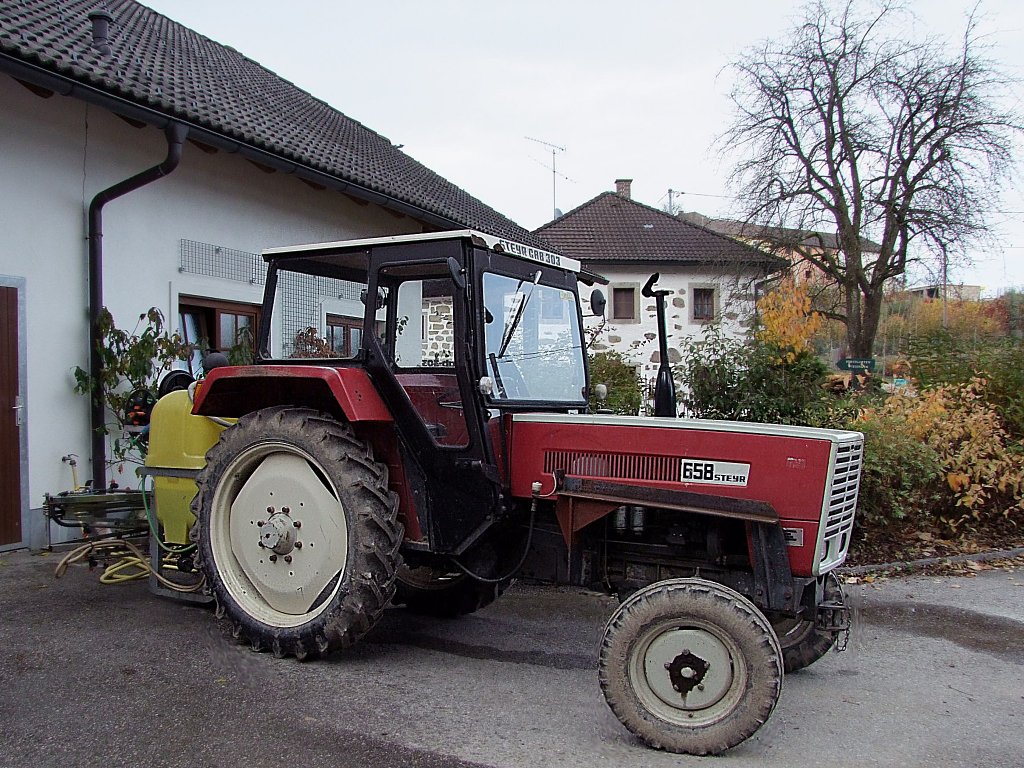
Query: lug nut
x=287, y=558
x=270, y=510
x=700, y=686
x=297, y=523
x=260, y=523
x=273, y=558
x=298, y=545
x=286, y=510
x=262, y=545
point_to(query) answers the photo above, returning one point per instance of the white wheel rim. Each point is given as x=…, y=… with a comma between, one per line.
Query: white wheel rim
x=689, y=673
x=263, y=493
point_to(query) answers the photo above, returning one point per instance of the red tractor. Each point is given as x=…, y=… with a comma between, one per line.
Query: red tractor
x=439, y=444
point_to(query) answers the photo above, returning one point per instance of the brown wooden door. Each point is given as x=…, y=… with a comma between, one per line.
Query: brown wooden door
x=10, y=452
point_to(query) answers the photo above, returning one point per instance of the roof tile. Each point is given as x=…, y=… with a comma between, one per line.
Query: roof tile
x=614, y=229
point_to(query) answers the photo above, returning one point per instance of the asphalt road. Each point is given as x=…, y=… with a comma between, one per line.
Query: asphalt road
x=94, y=675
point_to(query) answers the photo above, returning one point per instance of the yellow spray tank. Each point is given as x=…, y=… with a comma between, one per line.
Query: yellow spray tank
x=178, y=442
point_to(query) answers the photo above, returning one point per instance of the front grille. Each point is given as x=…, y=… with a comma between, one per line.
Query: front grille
x=837, y=520
x=624, y=466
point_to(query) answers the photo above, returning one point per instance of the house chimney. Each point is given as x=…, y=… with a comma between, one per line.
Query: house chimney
x=622, y=188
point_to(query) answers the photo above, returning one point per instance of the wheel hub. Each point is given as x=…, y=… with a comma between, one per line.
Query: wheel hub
x=688, y=669
x=278, y=534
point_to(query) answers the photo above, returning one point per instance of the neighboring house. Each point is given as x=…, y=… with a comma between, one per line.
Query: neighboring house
x=951, y=291
x=787, y=243
x=712, y=278
x=88, y=100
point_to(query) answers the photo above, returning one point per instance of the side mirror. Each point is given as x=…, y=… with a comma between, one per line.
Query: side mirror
x=457, y=272
x=597, y=302
x=380, y=298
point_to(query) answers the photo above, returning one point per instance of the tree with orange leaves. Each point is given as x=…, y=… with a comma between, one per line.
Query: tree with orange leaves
x=787, y=320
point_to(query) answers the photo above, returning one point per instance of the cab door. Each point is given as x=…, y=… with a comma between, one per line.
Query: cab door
x=421, y=365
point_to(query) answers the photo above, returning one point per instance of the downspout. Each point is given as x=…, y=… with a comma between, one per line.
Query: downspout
x=176, y=133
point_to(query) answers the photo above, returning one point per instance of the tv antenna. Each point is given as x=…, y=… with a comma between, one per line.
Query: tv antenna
x=554, y=172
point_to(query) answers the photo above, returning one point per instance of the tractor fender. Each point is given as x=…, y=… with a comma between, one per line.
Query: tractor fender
x=346, y=393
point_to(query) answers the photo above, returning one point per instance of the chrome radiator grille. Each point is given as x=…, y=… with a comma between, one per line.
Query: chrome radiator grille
x=837, y=518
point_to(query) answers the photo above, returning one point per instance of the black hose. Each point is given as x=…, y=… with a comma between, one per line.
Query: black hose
x=515, y=569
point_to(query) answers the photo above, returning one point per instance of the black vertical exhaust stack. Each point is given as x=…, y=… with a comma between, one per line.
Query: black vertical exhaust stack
x=664, y=387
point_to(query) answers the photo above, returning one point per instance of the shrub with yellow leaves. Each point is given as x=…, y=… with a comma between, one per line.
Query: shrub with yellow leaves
x=980, y=467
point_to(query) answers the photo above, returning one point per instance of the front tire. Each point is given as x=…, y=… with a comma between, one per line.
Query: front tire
x=690, y=666
x=802, y=644
x=297, y=532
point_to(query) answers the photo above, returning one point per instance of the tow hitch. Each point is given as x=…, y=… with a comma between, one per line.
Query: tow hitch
x=835, y=617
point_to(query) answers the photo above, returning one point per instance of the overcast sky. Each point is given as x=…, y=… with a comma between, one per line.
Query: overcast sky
x=627, y=90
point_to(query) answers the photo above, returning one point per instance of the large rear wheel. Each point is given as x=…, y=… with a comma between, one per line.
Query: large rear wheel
x=443, y=592
x=297, y=532
x=691, y=666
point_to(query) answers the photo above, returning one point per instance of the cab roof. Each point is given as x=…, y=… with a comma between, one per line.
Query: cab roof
x=496, y=244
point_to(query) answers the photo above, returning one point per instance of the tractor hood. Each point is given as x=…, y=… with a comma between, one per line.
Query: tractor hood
x=703, y=425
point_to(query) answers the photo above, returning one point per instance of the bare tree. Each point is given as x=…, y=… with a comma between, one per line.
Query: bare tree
x=897, y=147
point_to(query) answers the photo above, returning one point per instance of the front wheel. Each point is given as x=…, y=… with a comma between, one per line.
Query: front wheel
x=297, y=532
x=690, y=666
x=802, y=643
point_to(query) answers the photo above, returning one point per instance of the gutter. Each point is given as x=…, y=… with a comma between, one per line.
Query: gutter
x=66, y=86
x=176, y=134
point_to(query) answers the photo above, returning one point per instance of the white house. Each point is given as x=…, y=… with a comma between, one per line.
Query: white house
x=92, y=94
x=712, y=278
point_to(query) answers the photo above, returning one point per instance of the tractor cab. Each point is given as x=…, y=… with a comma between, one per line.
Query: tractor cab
x=443, y=333
x=498, y=321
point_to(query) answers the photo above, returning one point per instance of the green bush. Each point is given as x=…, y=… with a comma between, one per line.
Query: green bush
x=625, y=387
x=131, y=362
x=939, y=457
x=751, y=380
x=902, y=476
x=940, y=358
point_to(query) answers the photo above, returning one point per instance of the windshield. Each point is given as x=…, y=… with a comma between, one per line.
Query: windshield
x=533, y=344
